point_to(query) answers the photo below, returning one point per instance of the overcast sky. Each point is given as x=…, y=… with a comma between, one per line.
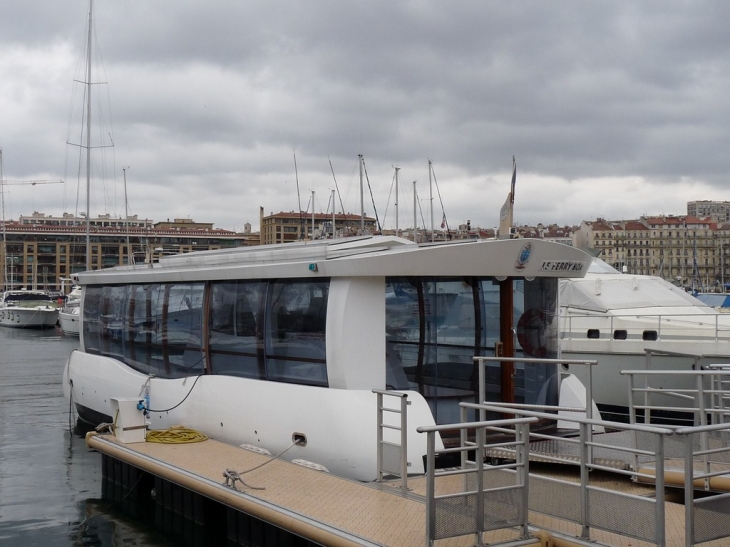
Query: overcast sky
x=612, y=109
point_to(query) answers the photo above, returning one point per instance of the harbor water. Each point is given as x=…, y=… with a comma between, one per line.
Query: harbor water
x=50, y=482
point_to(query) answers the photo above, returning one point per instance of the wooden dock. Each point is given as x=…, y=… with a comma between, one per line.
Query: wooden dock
x=328, y=510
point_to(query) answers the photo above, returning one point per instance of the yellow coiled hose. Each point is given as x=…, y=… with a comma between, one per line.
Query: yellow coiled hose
x=175, y=435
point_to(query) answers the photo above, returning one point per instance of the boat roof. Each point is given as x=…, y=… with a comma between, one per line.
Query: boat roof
x=605, y=289
x=25, y=295
x=370, y=256
x=25, y=292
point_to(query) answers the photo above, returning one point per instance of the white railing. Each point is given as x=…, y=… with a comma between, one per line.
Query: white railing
x=674, y=327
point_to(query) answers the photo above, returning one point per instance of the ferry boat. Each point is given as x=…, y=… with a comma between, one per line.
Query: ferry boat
x=28, y=309
x=280, y=347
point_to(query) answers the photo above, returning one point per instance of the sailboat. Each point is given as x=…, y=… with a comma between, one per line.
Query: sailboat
x=69, y=317
x=22, y=308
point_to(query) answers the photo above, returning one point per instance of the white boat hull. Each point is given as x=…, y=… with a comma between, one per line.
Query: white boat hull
x=69, y=322
x=339, y=424
x=40, y=317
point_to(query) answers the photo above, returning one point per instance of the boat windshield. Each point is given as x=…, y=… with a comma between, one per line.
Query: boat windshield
x=27, y=297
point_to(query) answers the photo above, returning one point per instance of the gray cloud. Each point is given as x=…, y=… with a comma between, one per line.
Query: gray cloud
x=612, y=109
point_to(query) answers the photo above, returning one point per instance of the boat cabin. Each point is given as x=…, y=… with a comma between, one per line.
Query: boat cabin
x=356, y=314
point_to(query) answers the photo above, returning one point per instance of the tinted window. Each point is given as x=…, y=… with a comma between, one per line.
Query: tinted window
x=296, y=317
x=236, y=328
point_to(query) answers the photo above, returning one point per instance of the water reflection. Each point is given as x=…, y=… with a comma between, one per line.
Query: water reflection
x=50, y=482
x=104, y=525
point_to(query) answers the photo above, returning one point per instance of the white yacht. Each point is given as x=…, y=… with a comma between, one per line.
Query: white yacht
x=69, y=316
x=263, y=345
x=28, y=309
x=635, y=322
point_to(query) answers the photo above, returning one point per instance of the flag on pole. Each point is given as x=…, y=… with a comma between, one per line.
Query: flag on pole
x=443, y=221
x=506, y=212
x=514, y=179
x=505, y=217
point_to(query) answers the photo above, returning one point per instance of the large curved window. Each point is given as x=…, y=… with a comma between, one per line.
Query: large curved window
x=155, y=329
x=272, y=330
x=435, y=327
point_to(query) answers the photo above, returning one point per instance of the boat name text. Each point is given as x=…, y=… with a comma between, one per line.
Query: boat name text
x=561, y=266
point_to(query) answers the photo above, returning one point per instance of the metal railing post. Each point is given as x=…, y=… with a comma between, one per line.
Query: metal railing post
x=479, y=458
x=584, y=502
x=632, y=419
x=482, y=389
x=404, y=443
x=589, y=411
x=632, y=408
x=717, y=327
x=430, y=488
x=524, y=460
x=380, y=437
x=659, y=509
x=689, y=509
x=701, y=403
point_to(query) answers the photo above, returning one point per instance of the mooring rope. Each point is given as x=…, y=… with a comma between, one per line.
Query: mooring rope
x=231, y=475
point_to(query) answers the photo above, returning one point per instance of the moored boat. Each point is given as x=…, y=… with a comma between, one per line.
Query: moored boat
x=636, y=322
x=69, y=316
x=28, y=309
x=266, y=345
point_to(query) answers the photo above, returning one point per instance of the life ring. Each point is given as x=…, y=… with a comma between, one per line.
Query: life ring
x=531, y=333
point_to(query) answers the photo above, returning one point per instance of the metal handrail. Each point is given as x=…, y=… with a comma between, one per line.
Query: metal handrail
x=699, y=394
x=690, y=476
x=586, y=463
x=588, y=363
x=403, y=411
x=521, y=466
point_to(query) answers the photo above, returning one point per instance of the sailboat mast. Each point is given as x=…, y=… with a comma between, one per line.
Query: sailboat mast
x=130, y=254
x=415, y=217
x=362, y=199
x=88, y=139
x=333, y=214
x=396, y=200
x=430, y=196
x=5, y=247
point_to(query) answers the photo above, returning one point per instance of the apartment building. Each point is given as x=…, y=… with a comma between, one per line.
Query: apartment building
x=292, y=226
x=706, y=208
x=41, y=251
x=688, y=251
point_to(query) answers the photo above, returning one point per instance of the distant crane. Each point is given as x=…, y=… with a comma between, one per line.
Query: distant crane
x=31, y=182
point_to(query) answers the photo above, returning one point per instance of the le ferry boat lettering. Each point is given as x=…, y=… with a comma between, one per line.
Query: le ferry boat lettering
x=562, y=266
x=257, y=345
